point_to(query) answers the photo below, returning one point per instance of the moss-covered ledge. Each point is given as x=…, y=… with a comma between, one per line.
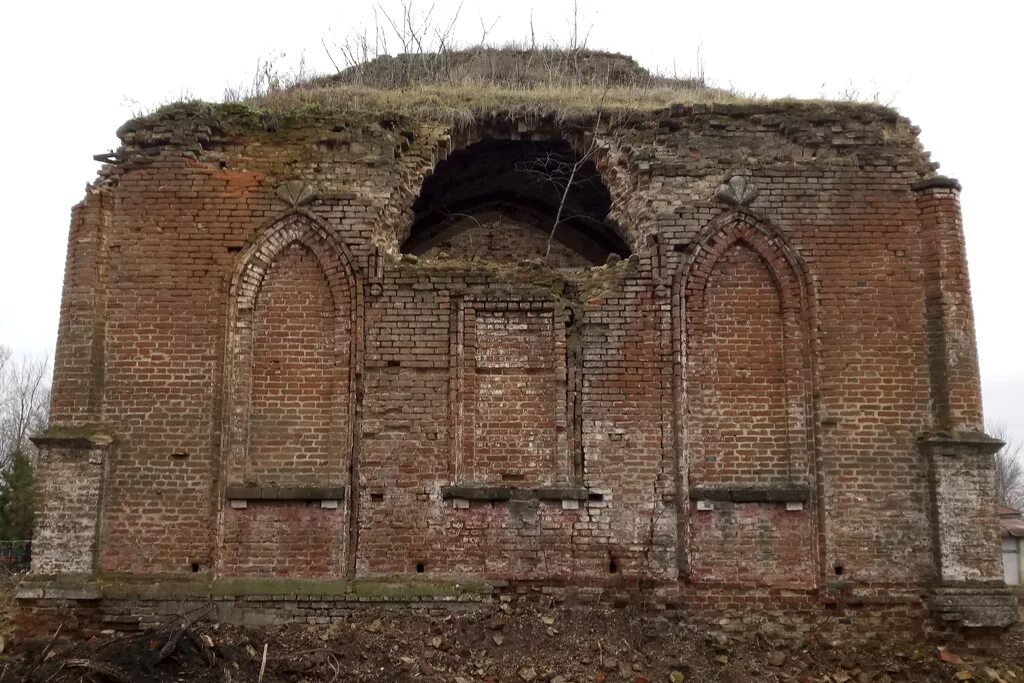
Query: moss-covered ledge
x=186, y=586
x=252, y=492
x=936, y=182
x=506, y=493
x=80, y=436
x=59, y=587
x=955, y=443
x=789, y=493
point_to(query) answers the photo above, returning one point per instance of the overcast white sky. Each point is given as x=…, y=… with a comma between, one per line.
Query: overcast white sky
x=75, y=71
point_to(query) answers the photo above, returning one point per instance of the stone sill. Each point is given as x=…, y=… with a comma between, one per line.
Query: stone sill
x=506, y=493
x=243, y=492
x=959, y=444
x=795, y=493
x=981, y=605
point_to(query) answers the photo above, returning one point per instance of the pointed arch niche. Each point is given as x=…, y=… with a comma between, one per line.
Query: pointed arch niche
x=743, y=315
x=291, y=366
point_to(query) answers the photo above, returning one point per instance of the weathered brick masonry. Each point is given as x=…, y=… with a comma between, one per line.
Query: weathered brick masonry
x=327, y=348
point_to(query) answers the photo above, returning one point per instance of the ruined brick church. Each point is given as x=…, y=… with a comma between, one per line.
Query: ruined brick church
x=705, y=356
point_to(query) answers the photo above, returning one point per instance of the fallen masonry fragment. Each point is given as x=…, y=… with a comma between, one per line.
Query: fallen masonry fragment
x=710, y=357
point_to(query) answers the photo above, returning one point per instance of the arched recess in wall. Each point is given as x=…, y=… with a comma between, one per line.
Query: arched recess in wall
x=493, y=193
x=744, y=318
x=292, y=361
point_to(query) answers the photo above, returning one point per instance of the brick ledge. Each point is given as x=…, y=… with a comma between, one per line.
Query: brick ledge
x=246, y=492
x=794, y=493
x=503, y=493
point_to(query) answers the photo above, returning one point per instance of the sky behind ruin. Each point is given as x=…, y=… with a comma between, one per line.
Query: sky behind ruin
x=76, y=71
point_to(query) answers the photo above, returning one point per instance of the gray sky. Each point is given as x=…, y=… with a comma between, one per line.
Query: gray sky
x=75, y=71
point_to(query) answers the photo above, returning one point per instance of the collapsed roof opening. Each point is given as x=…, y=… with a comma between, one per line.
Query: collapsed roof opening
x=500, y=200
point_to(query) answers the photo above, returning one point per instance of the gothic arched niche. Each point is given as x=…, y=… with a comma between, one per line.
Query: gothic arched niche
x=291, y=364
x=500, y=200
x=744, y=319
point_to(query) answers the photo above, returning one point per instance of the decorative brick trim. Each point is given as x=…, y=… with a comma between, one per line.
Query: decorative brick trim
x=295, y=226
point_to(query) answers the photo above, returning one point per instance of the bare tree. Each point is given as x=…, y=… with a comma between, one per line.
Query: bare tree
x=24, y=402
x=425, y=43
x=564, y=173
x=1009, y=469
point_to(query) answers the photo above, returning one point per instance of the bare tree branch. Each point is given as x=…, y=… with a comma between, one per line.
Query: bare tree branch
x=24, y=402
x=562, y=173
x=1009, y=468
x=329, y=56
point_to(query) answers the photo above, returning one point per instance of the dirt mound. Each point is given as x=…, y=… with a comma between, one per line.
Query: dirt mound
x=521, y=645
x=508, y=68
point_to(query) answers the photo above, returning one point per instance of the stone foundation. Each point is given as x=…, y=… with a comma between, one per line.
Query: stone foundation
x=788, y=615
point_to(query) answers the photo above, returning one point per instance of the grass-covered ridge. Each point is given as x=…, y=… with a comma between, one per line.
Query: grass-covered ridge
x=459, y=89
x=462, y=105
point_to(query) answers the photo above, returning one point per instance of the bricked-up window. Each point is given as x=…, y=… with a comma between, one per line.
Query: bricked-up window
x=746, y=372
x=497, y=200
x=290, y=358
x=740, y=374
x=511, y=395
x=291, y=362
x=293, y=389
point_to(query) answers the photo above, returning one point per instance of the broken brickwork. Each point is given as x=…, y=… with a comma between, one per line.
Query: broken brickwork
x=326, y=348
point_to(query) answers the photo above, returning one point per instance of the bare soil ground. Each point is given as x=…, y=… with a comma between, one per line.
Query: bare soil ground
x=524, y=644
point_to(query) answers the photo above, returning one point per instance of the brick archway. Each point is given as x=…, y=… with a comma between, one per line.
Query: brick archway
x=627, y=219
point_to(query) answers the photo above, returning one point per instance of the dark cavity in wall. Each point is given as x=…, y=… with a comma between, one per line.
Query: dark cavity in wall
x=499, y=200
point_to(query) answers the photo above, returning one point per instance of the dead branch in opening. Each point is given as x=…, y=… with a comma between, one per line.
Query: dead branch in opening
x=263, y=663
x=562, y=173
x=42, y=655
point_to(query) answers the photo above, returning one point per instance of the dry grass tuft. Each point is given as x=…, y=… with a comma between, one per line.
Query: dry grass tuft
x=464, y=104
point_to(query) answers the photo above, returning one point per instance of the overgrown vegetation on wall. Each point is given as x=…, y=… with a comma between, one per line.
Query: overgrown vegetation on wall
x=411, y=62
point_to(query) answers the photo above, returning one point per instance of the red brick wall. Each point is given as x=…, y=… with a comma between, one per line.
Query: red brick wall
x=502, y=239
x=161, y=360
x=956, y=391
x=799, y=335
x=284, y=538
x=625, y=366
x=77, y=363
x=753, y=544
